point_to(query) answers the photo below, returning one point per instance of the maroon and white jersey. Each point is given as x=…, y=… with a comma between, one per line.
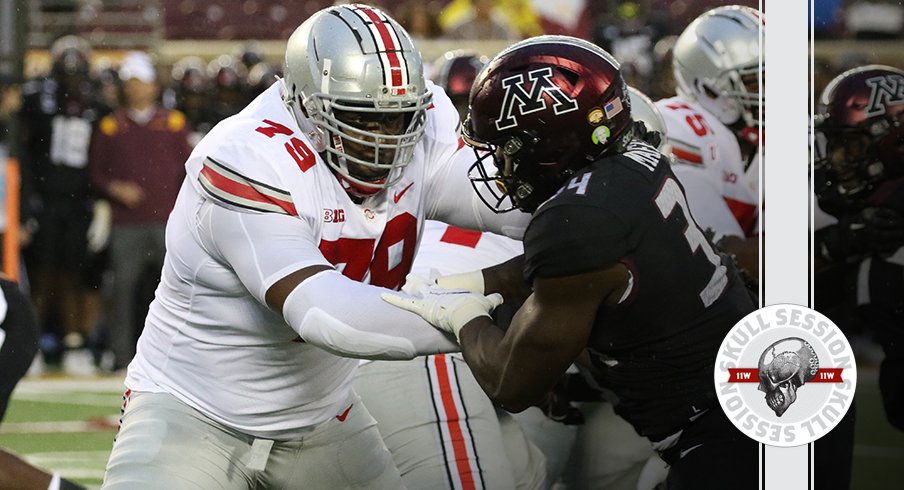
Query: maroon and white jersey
x=708, y=162
x=209, y=338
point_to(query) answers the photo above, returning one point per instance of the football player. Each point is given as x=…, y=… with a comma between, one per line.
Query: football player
x=296, y=213
x=857, y=178
x=614, y=262
x=714, y=120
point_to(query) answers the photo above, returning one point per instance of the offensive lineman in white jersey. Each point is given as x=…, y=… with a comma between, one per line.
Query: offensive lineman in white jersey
x=716, y=62
x=294, y=216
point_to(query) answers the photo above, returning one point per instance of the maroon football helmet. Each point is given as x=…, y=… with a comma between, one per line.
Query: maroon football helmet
x=543, y=109
x=455, y=72
x=859, y=132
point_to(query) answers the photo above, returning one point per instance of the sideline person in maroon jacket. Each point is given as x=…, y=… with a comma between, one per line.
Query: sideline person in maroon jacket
x=136, y=161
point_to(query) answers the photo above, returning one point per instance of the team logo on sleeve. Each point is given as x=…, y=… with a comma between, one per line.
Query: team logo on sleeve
x=785, y=375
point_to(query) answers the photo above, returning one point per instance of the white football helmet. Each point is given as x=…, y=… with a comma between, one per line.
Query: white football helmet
x=354, y=82
x=643, y=109
x=716, y=61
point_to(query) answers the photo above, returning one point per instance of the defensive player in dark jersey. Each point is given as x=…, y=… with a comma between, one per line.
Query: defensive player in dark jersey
x=614, y=264
x=59, y=113
x=859, y=180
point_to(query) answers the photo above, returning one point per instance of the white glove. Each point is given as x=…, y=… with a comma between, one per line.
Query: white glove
x=417, y=285
x=446, y=309
x=99, y=230
x=469, y=281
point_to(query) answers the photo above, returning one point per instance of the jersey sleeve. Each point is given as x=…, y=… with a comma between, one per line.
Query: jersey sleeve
x=261, y=248
x=568, y=239
x=450, y=196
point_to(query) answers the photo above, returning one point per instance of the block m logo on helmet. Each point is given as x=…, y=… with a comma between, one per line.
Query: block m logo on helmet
x=526, y=102
x=885, y=91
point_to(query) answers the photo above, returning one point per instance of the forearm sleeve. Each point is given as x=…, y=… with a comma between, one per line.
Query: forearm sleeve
x=349, y=319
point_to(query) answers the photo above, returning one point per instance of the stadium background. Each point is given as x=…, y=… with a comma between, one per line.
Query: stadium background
x=67, y=423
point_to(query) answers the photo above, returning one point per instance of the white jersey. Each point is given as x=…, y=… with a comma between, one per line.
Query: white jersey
x=209, y=339
x=709, y=164
x=446, y=249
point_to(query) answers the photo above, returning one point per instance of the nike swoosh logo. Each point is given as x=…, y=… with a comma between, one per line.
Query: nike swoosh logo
x=684, y=452
x=402, y=192
x=698, y=414
x=344, y=414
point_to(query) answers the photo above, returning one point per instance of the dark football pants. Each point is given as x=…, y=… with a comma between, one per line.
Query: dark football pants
x=20, y=344
x=712, y=454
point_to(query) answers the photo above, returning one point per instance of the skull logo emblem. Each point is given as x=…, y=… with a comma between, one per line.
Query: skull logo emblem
x=784, y=367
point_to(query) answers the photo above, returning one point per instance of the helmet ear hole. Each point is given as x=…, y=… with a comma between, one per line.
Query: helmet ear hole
x=707, y=89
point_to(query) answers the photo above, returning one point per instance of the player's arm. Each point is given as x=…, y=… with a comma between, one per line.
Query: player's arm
x=451, y=198
x=519, y=366
x=507, y=279
x=277, y=260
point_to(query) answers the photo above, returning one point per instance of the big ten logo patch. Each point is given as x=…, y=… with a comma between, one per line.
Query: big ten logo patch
x=785, y=375
x=333, y=215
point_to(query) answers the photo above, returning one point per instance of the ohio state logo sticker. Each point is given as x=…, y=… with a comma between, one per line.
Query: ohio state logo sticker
x=785, y=375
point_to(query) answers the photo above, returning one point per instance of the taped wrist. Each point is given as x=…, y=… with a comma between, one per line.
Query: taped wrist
x=470, y=281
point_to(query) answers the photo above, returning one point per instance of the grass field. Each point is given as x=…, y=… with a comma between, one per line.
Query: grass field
x=68, y=424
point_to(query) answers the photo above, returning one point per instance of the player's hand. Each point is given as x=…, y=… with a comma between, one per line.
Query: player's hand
x=446, y=309
x=417, y=285
x=98, y=234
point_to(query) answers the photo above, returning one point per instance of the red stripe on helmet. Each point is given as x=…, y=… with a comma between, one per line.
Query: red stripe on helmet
x=391, y=50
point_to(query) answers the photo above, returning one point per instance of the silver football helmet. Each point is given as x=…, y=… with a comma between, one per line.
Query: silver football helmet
x=716, y=62
x=643, y=109
x=354, y=82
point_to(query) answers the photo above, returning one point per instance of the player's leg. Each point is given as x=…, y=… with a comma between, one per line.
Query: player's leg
x=345, y=452
x=126, y=266
x=528, y=461
x=163, y=443
x=439, y=425
x=710, y=452
x=608, y=452
x=553, y=439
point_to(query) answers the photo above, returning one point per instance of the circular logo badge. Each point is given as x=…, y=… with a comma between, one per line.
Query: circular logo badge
x=785, y=375
x=595, y=116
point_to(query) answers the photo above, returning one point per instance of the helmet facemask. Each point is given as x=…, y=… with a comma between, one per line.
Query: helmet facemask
x=848, y=163
x=368, y=145
x=525, y=176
